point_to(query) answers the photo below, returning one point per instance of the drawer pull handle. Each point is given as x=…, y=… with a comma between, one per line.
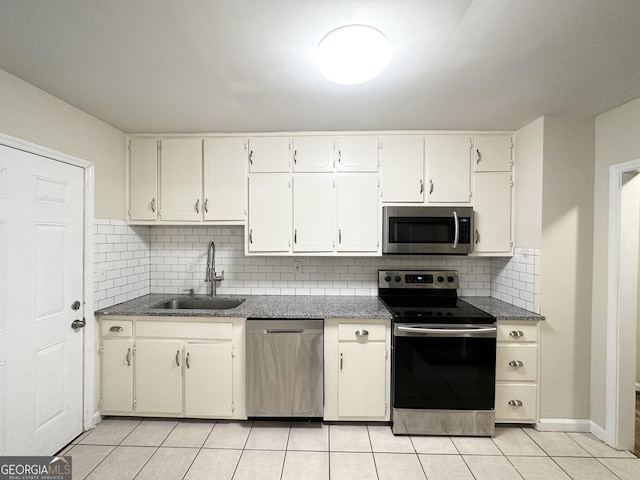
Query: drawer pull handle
x=362, y=333
x=515, y=363
x=187, y=361
x=116, y=328
x=341, y=360
x=516, y=333
x=515, y=403
x=128, y=357
x=178, y=358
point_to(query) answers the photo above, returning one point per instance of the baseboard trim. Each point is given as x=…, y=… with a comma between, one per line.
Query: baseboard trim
x=564, y=425
x=97, y=418
x=598, y=431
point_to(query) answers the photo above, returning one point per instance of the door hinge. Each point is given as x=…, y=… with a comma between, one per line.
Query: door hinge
x=101, y=402
x=511, y=181
x=511, y=244
x=386, y=405
x=101, y=348
x=233, y=351
x=386, y=353
x=129, y=212
x=129, y=145
x=135, y=403
x=233, y=407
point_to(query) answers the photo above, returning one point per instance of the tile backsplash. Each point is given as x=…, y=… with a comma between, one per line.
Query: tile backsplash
x=515, y=280
x=131, y=261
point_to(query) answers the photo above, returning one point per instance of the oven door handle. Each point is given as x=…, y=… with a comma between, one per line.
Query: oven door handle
x=428, y=331
x=456, y=234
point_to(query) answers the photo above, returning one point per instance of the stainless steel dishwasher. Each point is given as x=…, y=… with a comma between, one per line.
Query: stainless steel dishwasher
x=285, y=368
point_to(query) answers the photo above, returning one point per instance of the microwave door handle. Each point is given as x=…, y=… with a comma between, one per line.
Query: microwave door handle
x=456, y=229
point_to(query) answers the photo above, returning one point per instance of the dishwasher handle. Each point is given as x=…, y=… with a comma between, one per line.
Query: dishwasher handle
x=283, y=330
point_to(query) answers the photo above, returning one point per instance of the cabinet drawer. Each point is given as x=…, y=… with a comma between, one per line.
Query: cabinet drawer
x=116, y=328
x=516, y=403
x=361, y=332
x=517, y=333
x=516, y=362
x=186, y=330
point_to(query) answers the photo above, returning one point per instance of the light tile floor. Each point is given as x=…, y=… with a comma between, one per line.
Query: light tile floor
x=198, y=449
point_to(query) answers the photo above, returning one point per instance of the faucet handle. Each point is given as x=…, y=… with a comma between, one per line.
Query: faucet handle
x=190, y=290
x=217, y=278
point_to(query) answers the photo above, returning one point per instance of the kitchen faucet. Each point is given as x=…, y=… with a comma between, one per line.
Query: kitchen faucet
x=211, y=268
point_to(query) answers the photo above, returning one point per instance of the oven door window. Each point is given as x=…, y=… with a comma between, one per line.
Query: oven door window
x=421, y=230
x=450, y=373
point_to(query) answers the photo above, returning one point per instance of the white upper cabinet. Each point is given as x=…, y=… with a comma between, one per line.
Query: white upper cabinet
x=269, y=154
x=448, y=168
x=357, y=154
x=224, y=169
x=143, y=179
x=402, y=168
x=269, y=213
x=492, y=213
x=313, y=154
x=358, y=213
x=313, y=212
x=492, y=153
x=181, y=179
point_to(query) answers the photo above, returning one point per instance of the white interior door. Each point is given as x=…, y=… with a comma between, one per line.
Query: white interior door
x=41, y=276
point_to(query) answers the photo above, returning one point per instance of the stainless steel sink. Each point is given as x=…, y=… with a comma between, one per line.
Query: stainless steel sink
x=201, y=304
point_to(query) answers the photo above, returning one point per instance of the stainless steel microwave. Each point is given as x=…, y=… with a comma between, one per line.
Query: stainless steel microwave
x=427, y=230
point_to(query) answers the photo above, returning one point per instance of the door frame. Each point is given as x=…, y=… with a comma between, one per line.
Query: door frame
x=618, y=430
x=89, y=354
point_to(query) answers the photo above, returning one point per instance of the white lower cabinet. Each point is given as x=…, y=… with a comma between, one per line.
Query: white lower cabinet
x=208, y=391
x=357, y=369
x=191, y=368
x=517, y=367
x=158, y=374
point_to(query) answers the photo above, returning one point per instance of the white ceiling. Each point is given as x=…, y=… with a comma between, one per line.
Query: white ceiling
x=247, y=65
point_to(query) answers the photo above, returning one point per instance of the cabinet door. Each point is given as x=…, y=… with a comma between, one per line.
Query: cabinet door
x=269, y=154
x=117, y=376
x=492, y=212
x=313, y=154
x=208, y=380
x=401, y=169
x=224, y=178
x=358, y=212
x=492, y=153
x=313, y=213
x=181, y=179
x=361, y=380
x=269, y=213
x=143, y=179
x=357, y=154
x=158, y=367
x=448, y=168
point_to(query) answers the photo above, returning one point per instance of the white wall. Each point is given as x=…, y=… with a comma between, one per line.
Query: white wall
x=528, y=185
x=617, y=141
x=554, y=212
x=33, y=115
x=566, y=273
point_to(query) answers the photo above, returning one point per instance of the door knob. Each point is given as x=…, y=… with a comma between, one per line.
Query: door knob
x=75, y=305
x=78, y=324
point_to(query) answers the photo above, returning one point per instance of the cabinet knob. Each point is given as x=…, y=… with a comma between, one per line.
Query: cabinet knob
x=251, y=157
x=153, y=205
x=362, y=333
x=515, y=363
x=198, y=206
x=478, y=156
x=516, y=333
x=116, y=328
x=515, y=403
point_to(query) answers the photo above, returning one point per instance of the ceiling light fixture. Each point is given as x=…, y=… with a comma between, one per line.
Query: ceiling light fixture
x=353, y=54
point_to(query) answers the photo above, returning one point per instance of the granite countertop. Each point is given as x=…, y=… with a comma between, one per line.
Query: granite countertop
x=289, y=306
x=502, y=310
x=260, y=306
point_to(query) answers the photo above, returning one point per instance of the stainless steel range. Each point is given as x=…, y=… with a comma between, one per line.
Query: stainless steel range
x=443, y=356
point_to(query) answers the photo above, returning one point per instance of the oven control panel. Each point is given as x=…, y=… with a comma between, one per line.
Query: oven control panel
x=418, y=279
